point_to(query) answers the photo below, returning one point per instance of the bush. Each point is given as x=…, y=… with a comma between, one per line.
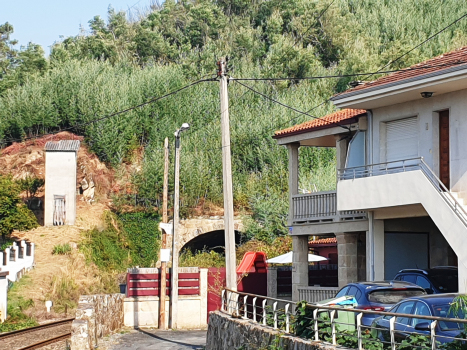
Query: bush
x=203, y=258
x=61, y=249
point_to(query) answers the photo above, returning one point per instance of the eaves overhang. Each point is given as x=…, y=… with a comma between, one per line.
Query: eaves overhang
x=343, y=124
x=439, y=82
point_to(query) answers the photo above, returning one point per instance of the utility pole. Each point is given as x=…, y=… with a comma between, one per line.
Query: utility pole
x=165, y=219
x=230, y=259
x=176, y=222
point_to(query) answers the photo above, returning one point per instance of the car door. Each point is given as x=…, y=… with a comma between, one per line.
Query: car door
x=402, y=322
x=420, y=309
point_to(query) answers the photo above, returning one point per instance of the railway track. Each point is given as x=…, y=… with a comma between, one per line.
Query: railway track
x=36, y=337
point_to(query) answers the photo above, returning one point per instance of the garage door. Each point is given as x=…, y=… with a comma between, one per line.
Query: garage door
x=401, y=139
x=404, y=251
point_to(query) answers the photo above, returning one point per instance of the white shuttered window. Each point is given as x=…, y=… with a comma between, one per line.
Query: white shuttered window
x=401, y=139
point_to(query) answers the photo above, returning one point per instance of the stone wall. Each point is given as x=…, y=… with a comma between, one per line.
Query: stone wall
x=225, y=332
x=96, y=317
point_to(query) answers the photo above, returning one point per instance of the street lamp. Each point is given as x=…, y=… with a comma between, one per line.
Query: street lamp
x=176, y=221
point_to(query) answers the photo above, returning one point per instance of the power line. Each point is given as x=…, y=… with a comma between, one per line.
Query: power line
x=152, y=100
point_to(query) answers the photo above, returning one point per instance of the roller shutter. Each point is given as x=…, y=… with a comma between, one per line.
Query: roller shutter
x=401, y=139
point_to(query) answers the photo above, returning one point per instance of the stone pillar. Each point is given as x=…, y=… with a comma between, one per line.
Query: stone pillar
x=375, y=249
x=293, y=177
x=347, y=258
x=7, y=257
x=272, y=282
x=3, y=295
x=15, y=248
x=299, y=264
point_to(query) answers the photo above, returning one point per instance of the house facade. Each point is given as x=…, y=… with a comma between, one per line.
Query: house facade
x=401, y=151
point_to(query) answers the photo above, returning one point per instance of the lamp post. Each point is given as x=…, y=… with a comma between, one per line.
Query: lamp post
x=176, y=221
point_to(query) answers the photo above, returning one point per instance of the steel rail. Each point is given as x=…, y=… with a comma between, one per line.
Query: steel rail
x=35, y=328
x=46, y=342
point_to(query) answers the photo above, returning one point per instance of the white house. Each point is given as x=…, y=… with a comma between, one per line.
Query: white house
x=60, y=182
x=401, y=144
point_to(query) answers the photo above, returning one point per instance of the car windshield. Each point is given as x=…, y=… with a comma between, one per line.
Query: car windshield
x=446, y=281
x=393, y=296
x=445, y=310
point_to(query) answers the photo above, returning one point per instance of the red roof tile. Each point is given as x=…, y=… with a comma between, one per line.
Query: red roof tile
x=340, y=117
x=323, y=241
x=447, y=61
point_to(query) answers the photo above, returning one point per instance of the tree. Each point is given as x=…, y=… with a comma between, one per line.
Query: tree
x=14, y=215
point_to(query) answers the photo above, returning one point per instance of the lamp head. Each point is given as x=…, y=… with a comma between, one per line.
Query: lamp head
x=185, y=126
x=426, y=94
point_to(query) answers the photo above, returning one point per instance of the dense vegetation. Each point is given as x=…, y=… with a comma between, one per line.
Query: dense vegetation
x=122, y=63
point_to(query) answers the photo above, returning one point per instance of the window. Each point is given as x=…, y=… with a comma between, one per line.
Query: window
x=342, y=292
x=423, y=282
x=355, y=292
x=401, y=139
x=404, y=308
x=408, y=278
x=356, y=152
x=421, y=309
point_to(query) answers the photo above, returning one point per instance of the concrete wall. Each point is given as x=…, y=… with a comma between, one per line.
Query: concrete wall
x=225, y=332
x=143, y=311
x=428, y=132
x=60, y=179
x=3, y=295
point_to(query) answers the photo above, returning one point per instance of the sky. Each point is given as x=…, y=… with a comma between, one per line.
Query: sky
x=44, y=21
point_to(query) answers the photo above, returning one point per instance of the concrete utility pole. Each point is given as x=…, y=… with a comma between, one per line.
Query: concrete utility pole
x=176, y=222
x=165, y=219
x=230, y=259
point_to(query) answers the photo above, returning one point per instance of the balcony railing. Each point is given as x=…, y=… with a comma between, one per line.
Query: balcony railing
x=321, y=207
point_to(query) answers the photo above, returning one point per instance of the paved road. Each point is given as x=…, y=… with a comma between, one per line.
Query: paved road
x=152, y=339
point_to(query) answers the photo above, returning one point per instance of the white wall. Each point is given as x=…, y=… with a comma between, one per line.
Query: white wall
x=3, y=295
x=60, y=179
x=428, y=132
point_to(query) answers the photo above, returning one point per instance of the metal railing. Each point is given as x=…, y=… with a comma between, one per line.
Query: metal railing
x=324, y=323
x=320, y=206
x=404, y=166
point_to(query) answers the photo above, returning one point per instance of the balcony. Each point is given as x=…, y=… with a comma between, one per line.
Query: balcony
x=321, y=207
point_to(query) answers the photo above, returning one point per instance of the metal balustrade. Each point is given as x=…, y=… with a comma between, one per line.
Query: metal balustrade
x=324, y=325
x=320, y=207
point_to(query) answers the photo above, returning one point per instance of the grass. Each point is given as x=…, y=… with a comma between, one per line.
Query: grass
x=17, y=306
x=61, y=249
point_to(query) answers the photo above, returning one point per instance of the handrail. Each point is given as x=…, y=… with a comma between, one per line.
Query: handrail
x=375, y=164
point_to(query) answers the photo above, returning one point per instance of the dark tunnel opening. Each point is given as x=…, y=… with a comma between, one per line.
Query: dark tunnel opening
x=214, y=240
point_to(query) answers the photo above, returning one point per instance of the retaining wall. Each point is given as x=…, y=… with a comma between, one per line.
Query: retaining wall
x=225, y=332
x=96, y=317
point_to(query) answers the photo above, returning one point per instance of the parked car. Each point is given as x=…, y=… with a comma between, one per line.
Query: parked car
x=441, y=279
x=427, y=305
x=379, y=296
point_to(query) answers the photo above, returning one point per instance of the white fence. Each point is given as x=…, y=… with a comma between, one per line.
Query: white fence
x=17, y=259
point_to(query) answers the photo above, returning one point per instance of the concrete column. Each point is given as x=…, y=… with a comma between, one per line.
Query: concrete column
x=1, y=260
x=347, y=258
x=462, y=278
x=293, y=177
x=272, y=282
x=375, y=249
x=341, y=151
x=203, y=293
x=15, y=247
x=299, y=264
x=7, y=258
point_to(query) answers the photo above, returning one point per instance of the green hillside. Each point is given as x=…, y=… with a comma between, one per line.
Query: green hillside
x=122, y=63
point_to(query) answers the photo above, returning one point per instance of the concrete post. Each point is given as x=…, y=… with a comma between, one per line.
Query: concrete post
x=272, y=282
x=22, y=246
x=293, y=177
x=347, y=258
x=15, y=247
x=7, y=257
x=341, y=151
x=203, y=293
x=1, y=260
x=299, y=264
x=375, y=249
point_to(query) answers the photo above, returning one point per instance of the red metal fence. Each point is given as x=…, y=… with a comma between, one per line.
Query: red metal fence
x=148, y=284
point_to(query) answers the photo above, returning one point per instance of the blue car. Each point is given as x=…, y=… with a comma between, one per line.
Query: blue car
x=427, y=305
x=379, y=296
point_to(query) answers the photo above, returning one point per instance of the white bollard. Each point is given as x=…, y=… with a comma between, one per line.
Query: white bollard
x=48, y=305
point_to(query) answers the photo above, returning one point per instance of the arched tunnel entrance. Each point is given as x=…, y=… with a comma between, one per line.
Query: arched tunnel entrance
x=214, y=240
